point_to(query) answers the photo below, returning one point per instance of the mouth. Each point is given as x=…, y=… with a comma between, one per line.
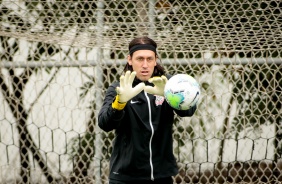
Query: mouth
x=144, y=72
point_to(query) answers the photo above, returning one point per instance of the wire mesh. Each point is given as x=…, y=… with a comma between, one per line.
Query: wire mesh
x=59, y=57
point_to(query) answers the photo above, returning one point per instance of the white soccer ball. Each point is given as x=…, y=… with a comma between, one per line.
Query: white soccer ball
x=182, y=91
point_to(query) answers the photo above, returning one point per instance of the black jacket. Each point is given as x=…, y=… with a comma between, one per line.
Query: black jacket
x=142, y=149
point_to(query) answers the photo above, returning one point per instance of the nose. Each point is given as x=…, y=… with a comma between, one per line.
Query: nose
x=145, y=64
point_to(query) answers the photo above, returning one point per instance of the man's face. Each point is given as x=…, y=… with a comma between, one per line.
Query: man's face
x=143, y=63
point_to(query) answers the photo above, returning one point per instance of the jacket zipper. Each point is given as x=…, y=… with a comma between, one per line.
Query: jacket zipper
x=151, y=138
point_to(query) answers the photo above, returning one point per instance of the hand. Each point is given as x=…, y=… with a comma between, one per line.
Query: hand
x=125, y=91
x=159, y=83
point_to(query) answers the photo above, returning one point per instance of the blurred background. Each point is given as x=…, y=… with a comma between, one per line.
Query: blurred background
x=59, y=57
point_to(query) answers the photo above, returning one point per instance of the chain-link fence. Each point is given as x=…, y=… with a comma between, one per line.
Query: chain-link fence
x=59, y=57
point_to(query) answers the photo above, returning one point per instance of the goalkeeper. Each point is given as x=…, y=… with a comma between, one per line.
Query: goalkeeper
x=136, y=109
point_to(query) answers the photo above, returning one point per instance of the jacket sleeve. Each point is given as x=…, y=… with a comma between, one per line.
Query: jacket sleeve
x=109, y=118
x=186, y=113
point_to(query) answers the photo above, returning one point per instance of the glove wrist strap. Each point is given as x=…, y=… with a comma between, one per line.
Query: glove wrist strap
x=118, y=105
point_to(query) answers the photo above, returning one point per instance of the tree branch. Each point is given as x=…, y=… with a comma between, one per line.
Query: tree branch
x=42, y=90
x=26, y=74
x=5, y=90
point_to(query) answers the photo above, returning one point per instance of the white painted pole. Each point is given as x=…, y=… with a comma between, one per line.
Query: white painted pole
x=98, y=144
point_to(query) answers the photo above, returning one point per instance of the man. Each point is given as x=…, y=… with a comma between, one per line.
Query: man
x=136, y=109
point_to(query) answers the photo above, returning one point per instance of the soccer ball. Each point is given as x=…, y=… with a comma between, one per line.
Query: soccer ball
x=182, y=91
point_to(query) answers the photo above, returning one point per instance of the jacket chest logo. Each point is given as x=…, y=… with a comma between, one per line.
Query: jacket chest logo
x=159, y=100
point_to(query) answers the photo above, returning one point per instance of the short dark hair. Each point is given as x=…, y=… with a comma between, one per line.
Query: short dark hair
x=158, y=70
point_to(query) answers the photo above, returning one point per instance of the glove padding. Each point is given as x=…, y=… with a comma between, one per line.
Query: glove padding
x=159, y=83
x=125, y=91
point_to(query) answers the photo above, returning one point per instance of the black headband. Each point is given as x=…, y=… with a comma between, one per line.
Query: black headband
x=142, y=47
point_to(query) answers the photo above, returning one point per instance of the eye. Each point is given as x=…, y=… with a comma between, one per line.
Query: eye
x=150, y=59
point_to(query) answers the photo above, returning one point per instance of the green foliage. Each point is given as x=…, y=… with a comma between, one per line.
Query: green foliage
x=65, y=14
x=108, y=146
x=257, y=90
x=85, y=88
x=82, y=148
x=10, y=48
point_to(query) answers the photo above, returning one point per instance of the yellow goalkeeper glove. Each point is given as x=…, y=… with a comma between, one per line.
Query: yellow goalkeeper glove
x=125, y=91
x=159, y=83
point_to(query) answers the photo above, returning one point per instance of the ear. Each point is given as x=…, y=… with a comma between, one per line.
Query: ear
x=129, y=60
x=156, y=60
